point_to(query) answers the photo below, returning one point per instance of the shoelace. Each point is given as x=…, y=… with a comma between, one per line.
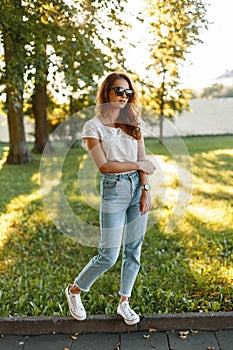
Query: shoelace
x=128, y=311
x=75, y=299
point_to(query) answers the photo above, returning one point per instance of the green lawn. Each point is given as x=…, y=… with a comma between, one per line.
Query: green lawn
x=188, y=269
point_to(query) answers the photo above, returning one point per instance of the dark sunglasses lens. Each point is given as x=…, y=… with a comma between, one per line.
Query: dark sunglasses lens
x=119, y=91
x=129, y=93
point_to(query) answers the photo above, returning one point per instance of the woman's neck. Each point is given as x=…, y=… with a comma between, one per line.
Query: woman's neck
x=110, y=117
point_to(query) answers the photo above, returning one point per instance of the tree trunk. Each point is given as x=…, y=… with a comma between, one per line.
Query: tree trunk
x=18, y=153
x=40, y=114
x=14, y=60
x=162, y=102
x=73, y=124
x=161, y=117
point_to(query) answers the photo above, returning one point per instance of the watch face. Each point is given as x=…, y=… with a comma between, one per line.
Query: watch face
x=146, y=187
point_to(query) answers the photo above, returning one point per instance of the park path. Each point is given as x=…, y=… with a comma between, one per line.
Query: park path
x=172, y=340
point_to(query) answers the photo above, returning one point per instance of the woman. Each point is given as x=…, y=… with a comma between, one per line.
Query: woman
x=114, y=140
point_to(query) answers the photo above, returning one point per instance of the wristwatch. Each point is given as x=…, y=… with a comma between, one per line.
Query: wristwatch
x=146, y=187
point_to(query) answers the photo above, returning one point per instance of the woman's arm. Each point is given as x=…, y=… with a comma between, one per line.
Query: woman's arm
x=97, y=153
x=142, y=157
x=145, y=200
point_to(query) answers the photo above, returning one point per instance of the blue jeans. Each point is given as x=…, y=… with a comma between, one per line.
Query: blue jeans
x=119, y=213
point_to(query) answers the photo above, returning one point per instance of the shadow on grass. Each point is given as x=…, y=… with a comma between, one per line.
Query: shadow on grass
x=217, y=167
x=188, y=270
x=180, y=272
x=17, y=180
x=194, y=144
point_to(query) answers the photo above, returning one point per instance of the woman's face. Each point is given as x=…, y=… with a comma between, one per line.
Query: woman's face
x=118, y=101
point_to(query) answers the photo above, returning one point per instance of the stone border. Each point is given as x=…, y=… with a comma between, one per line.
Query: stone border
x=114, y=324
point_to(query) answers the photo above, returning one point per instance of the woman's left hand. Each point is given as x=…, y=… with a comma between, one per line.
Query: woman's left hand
x=145, y=202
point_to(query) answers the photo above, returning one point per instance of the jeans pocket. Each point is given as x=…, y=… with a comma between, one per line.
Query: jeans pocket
x=109, y=188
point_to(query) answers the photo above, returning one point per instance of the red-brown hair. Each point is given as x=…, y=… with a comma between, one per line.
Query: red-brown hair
x=129, y=115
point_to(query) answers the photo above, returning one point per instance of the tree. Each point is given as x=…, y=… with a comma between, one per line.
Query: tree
x=39, y=99
x=217, y=91
x=13, y=29
x=65, y=43
x=52, y=36
x=174, y=26
x=51, y=25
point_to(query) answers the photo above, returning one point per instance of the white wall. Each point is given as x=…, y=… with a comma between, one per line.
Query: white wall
x=208, y=117
x=4, y=133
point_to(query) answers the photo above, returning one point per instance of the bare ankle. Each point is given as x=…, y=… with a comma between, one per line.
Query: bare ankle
x=75, y=290
x=123, y=298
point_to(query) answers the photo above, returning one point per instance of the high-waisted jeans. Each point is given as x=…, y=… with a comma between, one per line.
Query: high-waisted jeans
x=119, y=213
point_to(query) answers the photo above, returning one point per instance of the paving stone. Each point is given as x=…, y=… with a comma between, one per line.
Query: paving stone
x=12, y=342
x=140, y=340
x=48, y=342
x=96, y=341
x=199, y=341
x=225, y=339
x=144, y=340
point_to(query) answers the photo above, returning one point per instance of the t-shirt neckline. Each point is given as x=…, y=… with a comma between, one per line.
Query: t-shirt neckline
x=108, y=126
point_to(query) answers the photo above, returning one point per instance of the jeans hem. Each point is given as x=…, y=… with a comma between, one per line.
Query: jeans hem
x=125, y=295
x=83, y=290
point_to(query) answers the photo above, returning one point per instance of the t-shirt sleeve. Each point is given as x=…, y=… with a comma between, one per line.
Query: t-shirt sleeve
x=90, y=130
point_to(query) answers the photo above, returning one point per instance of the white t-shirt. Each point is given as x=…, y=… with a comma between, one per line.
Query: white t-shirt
x=117, y=145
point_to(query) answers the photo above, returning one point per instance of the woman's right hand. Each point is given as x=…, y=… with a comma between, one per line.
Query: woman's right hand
x=146, y=166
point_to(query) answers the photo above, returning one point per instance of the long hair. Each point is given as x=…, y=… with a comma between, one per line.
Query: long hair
x=128, y=119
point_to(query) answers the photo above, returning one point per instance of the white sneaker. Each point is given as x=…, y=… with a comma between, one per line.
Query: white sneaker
x=130, y=317
x=75, y=305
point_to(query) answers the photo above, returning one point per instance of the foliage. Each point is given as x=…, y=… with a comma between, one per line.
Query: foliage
x=14, y=28
x=217, y=91
x=14, y=34
x=188, y=270
x=65, y=39
x=58, y=42
x=174, y=27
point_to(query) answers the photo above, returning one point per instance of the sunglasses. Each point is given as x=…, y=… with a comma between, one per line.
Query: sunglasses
x=119, y=91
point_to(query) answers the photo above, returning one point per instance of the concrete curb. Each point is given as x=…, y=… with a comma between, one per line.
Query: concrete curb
x=114, y=324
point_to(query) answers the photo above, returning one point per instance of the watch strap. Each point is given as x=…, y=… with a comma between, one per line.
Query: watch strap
x=146, y=187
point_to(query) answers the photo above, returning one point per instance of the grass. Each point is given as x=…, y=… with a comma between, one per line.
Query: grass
x=186, y=270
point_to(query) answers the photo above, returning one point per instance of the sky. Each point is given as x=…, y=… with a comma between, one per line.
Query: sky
x=212, y=58
x=208, y=60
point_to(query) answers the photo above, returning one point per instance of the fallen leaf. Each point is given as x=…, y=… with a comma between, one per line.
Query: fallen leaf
x=183, y=332
x=146, y=336
x=211, y=348
x=193, y=331
x=75, y=334
x=66, y=349
x=182, y=336
x=73, y=337
x=117, y=346
x=152, y=330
